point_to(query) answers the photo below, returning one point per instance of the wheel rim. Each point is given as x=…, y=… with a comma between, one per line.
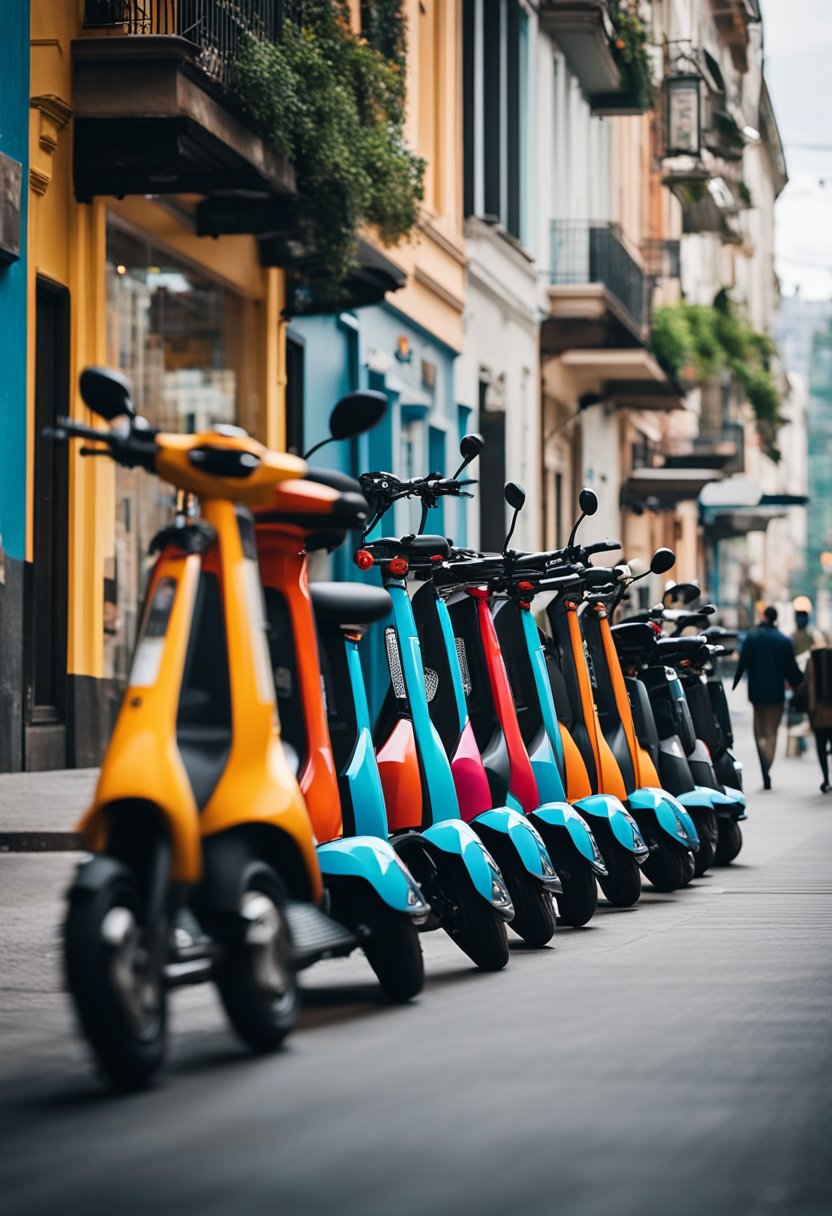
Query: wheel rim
x=269, y=945
x=135, y=974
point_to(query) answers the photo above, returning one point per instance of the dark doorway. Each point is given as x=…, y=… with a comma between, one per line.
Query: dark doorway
x=45, y=735
x=295, y=389
x=492, y=474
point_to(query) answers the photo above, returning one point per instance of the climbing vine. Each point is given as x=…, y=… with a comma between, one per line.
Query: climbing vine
x=333, y=103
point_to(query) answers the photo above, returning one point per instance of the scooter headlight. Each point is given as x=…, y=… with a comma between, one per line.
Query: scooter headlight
x=499, y=891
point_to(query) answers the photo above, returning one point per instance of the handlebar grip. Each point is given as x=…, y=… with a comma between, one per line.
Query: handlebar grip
x=602, y=546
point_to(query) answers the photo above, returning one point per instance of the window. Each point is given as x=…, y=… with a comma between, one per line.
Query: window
x=495, y=117
x=188, y=344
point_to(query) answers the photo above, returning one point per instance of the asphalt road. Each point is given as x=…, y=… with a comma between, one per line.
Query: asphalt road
x=670, y=1059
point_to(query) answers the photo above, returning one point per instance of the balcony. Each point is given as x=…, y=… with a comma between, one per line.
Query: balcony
x=154, y=115
x=732, y=18
x=597, y=285
x=722, y=450
x=585, y=30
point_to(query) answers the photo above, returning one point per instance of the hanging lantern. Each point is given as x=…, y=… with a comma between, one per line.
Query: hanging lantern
x=682, y=114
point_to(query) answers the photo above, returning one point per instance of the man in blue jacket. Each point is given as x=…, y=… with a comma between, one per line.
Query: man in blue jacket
x=768, y=657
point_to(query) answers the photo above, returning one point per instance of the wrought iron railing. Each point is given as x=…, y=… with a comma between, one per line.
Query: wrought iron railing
x=586, y=252
x=215, y=27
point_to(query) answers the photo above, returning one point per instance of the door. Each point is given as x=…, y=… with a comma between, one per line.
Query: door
x=45, y=734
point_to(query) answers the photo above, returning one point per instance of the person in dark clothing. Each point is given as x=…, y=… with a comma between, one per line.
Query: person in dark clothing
x=819, y=680
x=767, y=656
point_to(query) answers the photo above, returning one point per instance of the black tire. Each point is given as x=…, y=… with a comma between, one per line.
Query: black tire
x=256, y=980
x=690, y=868
x=730, y=841
x=622, y=886
x=534, y=912
x=117, y=986
x=577, y=904
x=666, y=867
x=477, y=928
x=707, y=829
x=394, y=952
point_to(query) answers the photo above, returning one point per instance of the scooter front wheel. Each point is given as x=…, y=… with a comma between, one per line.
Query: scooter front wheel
x=622, y=884
x=577, y=904
x=116, y=980
x=666, y=867
x=730, y=841
x=478, y=929
x=255, y=975
x=394, y=952
x=707, y=829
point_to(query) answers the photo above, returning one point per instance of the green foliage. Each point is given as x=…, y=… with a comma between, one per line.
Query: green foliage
x=333, y=104
x=630, y=45
x=695, y=342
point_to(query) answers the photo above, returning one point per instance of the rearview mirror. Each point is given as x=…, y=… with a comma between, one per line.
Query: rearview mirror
x=588, y=501
x=356, y=413
x=515, y=495
x=662, y=561
x=107, y=392
x=707, y=609
x=470, y=446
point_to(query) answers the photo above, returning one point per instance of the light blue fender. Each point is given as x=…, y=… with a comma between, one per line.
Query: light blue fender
x=703, y=795
x=562, y=815
x=671, y=817
x=513, y=803
x=555, y=790
x=546, y=772
x=526, y=840
x=624, y=827
x=374, y=861
x=457, y=839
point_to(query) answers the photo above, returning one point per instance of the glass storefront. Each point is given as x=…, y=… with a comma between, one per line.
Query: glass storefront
x=185, y=340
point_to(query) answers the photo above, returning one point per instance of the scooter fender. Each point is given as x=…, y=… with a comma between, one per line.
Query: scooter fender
x=562, y=815
x=456, y=838
x=374, y=861
x=526, y=841
x=722, y=804
x=624, y=828
x=96, y=870
x=671, y=816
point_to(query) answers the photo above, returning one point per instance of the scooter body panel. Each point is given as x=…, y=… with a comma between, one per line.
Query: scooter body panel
x=561, y=815
x=624, y=828
x=458, y=839
x=526, y=840
x=374, y=861
x=670, y=816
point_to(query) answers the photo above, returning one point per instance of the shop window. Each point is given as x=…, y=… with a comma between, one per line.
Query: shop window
x=190, y=347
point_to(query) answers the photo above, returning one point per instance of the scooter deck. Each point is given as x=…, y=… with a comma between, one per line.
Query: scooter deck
x=316, y=935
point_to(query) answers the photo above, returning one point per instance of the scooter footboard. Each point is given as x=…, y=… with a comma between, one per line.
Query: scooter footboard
x=655, y=809
x=454, y=839
x=608, y=810
x=508, y=834
x=560, y=824
x=369, y=860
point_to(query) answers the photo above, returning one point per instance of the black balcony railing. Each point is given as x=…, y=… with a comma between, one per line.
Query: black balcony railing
x=215, y=27
x=586, y=252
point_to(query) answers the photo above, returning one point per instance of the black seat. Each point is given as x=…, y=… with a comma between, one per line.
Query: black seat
x=417, y=549
x=674, y=650
x=347, y=511
x=349, y=604
x=335, y=479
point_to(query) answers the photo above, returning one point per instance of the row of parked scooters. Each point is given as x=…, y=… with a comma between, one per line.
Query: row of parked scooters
x=519, y=760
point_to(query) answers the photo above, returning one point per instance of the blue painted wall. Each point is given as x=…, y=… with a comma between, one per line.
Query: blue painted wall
x=14, y=143
x=420, y=433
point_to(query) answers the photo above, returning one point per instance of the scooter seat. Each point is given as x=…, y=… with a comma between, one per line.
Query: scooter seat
x=674, y=650
x=419, y=550
x=349, y=604
x=336, y=480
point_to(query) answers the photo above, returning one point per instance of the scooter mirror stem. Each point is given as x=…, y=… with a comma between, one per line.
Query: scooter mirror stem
x=470, y=447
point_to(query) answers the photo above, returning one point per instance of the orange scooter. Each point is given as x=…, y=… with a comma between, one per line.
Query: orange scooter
x=202, y=857
x=367, y=886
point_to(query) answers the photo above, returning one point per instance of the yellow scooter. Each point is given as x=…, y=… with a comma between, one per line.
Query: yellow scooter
x=202, y=857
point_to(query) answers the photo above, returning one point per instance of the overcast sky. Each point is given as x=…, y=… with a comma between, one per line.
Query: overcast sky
x=798, y=68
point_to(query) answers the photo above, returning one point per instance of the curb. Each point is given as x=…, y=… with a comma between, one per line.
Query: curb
x=40, y=842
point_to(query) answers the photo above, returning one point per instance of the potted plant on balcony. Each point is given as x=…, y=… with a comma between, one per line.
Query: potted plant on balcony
x=333, y=103
x=631, y=54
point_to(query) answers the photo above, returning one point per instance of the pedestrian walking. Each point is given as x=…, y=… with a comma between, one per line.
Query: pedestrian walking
x=767, y=656
x=806, y=636
x=819, y=684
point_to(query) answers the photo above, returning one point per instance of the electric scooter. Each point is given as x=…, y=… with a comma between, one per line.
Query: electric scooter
x=202, y=859
x=368, y=887
x=510, y=836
